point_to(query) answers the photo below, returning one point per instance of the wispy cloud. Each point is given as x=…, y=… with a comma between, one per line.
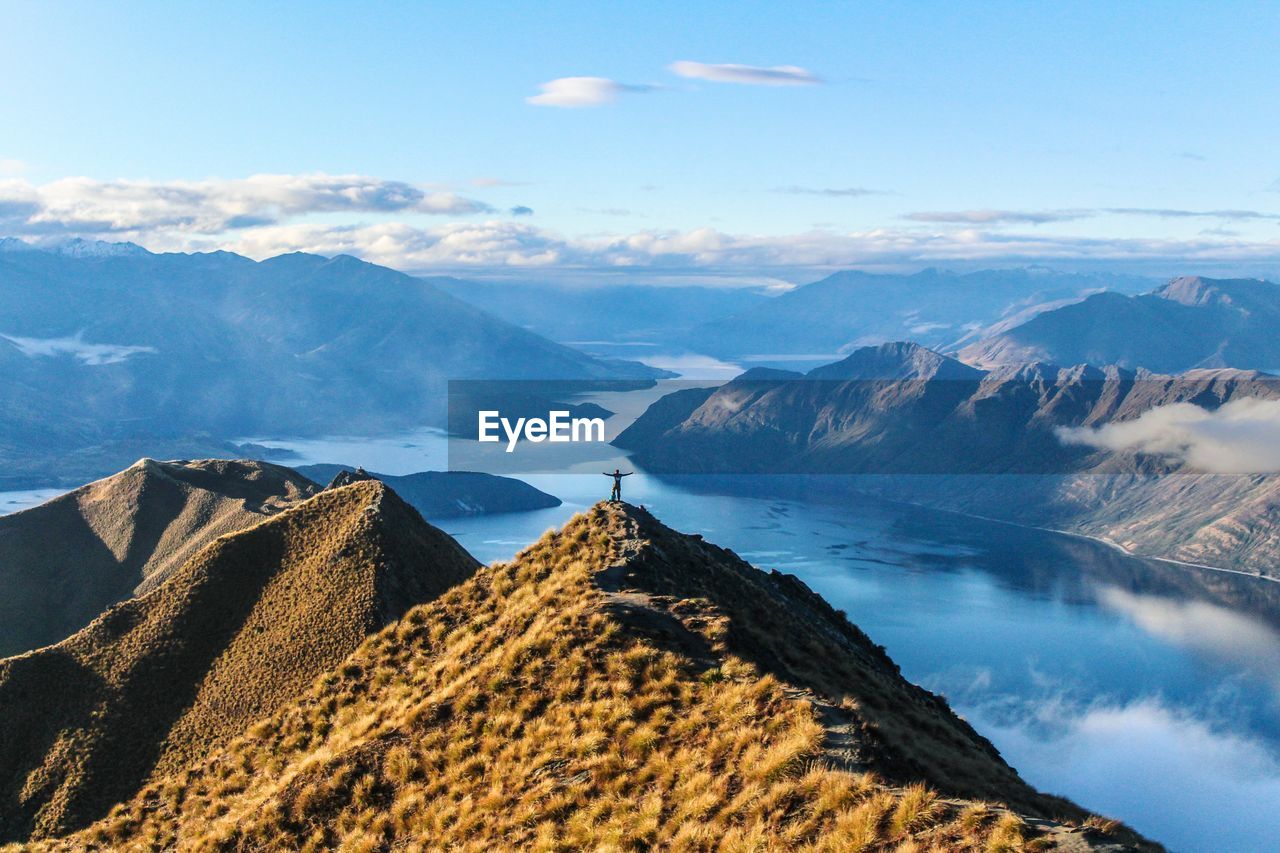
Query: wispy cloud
x=1240, y=437
x=10, y=167
x=752, y=75
x=89, y=206
x=521, y=210
x=575, y=92
x=834, y=192
x=1175, y=213
x=997, y=217
x=988, y=216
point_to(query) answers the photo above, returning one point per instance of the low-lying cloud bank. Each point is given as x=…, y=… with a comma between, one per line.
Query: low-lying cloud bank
x=89, y=207
x=1240, y=437
x=392, y=222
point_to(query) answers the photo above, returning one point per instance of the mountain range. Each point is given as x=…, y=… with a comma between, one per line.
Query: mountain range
x=65, y=561
x=1189, y=323
x=937, y=308
x=617, y=683
x=598, y=315
x=913, y=424
x=120, y=346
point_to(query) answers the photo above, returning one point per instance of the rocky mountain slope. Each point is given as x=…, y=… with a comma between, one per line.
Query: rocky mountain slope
x=64, y=562
x=918, y=426
x=1188, y=323
x=615, y=685
x=239, y=630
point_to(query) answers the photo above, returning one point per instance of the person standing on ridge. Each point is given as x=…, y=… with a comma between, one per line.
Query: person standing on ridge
x=617, y=475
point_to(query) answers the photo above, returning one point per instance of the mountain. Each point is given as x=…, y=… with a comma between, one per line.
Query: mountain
x=914, y=425
x=1189, y=323
x=617, y=685
x=64, y=562
x=242, y=628
x=451, y=494
x=109, y=346
x=606, y=314
x=937, y=308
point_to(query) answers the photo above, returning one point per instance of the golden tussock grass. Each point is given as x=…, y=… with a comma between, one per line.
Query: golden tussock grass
x=562, y=701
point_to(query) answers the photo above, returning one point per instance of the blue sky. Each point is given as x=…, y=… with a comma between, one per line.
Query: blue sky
x=980, y=131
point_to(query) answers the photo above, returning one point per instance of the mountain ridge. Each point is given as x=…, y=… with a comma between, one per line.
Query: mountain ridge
x=615, y=683
x=1190, y=322
x=65, y=561
x=158, y=681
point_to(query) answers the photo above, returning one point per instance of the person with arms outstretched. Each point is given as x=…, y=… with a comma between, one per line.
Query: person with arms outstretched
x=617, y=475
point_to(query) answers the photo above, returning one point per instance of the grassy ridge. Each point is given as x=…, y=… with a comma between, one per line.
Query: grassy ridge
x=243, y=627
x=617, y=686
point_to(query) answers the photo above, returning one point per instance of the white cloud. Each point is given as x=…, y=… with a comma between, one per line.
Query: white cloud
x=519, y=243
x=582, y=92
x=994, y=217
x=1239, y=437
x=753, y=75
x=10, y=167
x=89, y=206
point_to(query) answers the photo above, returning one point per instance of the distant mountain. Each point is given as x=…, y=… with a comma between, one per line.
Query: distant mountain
x=1189, y=323
x=604, y=313
x=75, y=247
x=618, y=684
x=239, y=630
x=451, y=494
x=64, y=562
x=915, y=425
x=939, y=309
x=100, y=346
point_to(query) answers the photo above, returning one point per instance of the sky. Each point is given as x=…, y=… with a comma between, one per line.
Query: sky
x=750, y=139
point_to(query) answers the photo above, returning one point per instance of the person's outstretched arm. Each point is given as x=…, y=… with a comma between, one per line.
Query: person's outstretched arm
x=628, y=474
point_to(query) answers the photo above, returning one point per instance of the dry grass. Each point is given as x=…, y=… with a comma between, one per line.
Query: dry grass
x=241, y=629
x=64, y=562
x=547, y=704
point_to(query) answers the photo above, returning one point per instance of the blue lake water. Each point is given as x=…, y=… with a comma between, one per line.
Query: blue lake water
x=1143, y=690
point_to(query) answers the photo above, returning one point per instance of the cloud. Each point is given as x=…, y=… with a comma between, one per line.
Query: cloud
x=89, y=206
x=1239, y=437
x=520, y=244
x=752, y=75
x=582, y=92
x=1173, y=213
x=10, y=167
x=837, y=192
x=521, y=210
x=997, y=217
x=1040, y=217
